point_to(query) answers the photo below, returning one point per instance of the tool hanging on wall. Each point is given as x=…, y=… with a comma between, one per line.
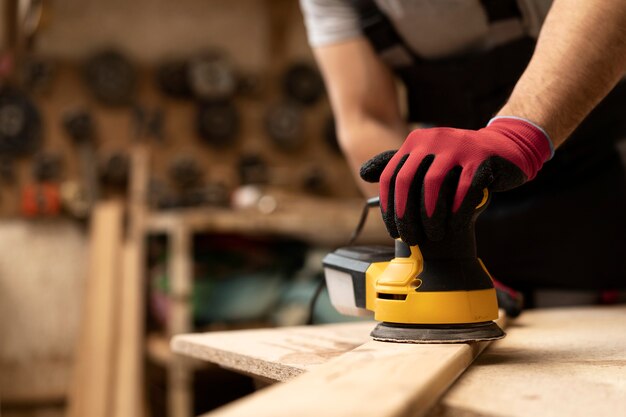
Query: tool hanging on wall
x=115, y=169
x=80, y=127
x=41, y=199
x=191, y=190
x=110, y=77
x=218, y=123
x=20, y=123
x=185, y=172
x=252, y=169
x=283, y=123
x=212, y=77
x=303, y=84
x=37, y=74
x=173, y=79
x=212, y=194
x=47, y=167
x=148, y=123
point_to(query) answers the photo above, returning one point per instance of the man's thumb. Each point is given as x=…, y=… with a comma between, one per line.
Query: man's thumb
x=372, y=169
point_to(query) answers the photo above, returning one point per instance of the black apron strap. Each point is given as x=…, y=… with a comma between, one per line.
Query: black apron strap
x=382, y=35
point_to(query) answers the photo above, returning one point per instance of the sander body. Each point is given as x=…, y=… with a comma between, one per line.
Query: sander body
x=437, y=292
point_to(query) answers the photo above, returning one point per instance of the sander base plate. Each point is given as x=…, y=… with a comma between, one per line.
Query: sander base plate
x=437, y=333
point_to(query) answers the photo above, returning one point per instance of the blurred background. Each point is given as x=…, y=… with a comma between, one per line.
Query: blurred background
x=165, y=167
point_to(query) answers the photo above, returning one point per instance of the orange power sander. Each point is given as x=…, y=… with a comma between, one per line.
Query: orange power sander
x=439, y=292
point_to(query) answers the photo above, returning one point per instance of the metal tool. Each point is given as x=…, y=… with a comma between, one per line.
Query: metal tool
x=47, y=166
x=115, y=170
x=111, y=78
x=212, y=77
x=439, y=292
x=20, y=123
x=284, y=126
x=80, y=127
x=218, y=123
x=40, y=200
x=185, y=172
x=253, y=169
x=303, y=84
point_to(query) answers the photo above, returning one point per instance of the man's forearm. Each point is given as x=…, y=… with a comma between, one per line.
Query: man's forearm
x=367, y=137
x=580, y=56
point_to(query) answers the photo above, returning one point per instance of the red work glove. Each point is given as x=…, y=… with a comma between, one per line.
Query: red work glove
x=436, y=179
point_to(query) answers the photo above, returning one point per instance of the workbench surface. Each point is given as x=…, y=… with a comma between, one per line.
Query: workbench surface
x=566, y=361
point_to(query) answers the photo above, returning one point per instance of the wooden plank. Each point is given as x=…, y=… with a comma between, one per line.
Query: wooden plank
x=180, y=270
x=554, y=362
x=413, y=376
x=565, y=361
x=128, y=385
x=274, y=354
x=374, y=380
x=128, y=394
x=91, y=392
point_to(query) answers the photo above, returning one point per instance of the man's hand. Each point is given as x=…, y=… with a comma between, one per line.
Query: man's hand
x=436, y=179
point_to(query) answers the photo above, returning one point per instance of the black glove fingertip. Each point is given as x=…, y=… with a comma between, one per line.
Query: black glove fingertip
x=372, y=169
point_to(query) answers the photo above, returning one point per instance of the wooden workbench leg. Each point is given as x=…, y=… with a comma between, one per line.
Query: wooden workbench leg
x=180, y=264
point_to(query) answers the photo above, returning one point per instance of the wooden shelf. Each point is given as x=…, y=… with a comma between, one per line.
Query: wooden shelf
x=159, y=351
x=314, y=220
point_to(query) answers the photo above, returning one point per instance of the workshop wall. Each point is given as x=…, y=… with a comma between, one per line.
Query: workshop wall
x=280, y=141
x=149, y=30
x=42, y=268
x=283, y=139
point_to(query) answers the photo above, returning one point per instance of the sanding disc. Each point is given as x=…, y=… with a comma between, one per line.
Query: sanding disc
x=437, y=333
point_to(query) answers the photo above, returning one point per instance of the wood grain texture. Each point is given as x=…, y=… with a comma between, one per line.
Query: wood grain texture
x=554, y=362
x=376, y=379
x=128, y=392
x=274, y=354
x=180, y=270
x=92, y=385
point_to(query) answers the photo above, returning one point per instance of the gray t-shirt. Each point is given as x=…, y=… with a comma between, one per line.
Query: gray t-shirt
x=431, y=28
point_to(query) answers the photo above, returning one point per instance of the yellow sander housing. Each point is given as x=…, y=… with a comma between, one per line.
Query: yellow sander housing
x=437, y=293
